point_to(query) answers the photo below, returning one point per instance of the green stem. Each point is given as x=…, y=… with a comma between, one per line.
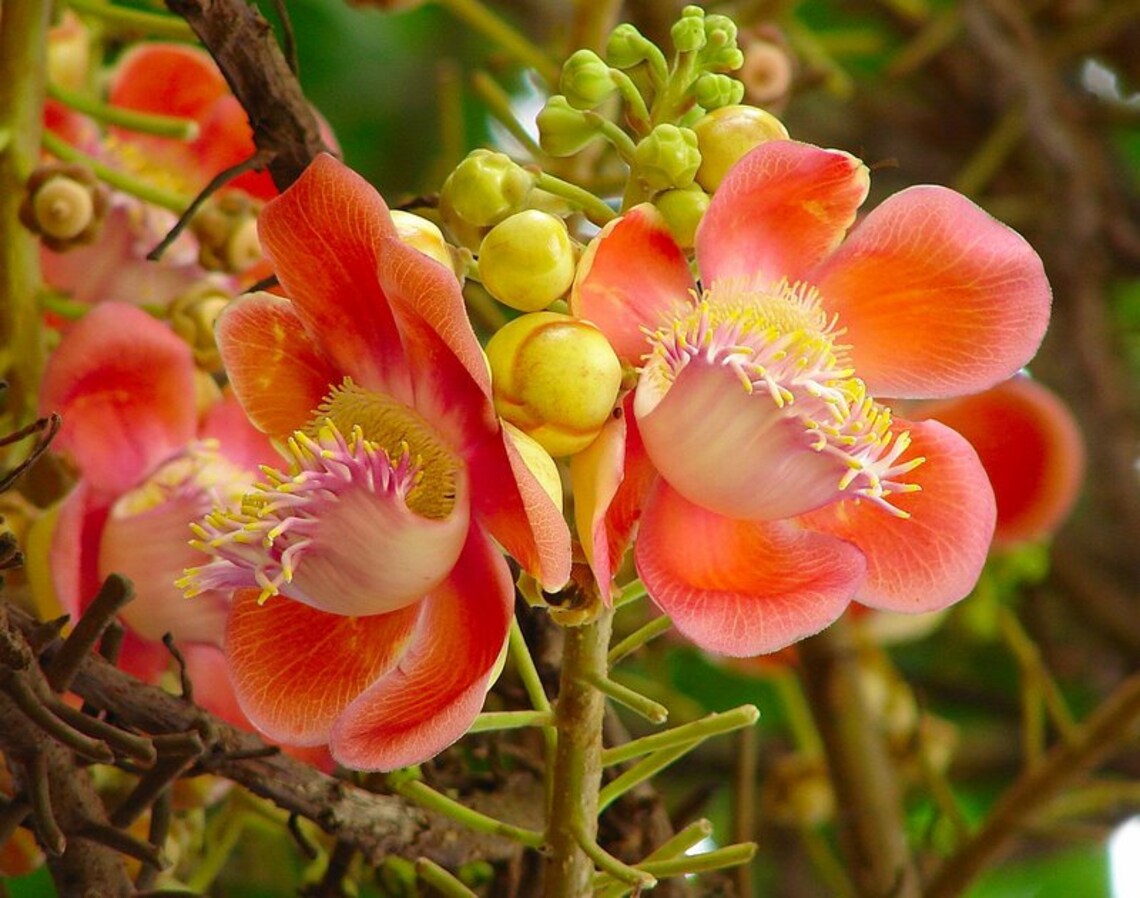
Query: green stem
x=638, y=638
x=511, y=720
x=718, y=859
x=23, y=64
x=441, y=880
x=652, y=711
x=605, y=887
x=610, y=865
x=577, y=770
x=528, y=673
x=426, y=797
x=148, y=193
x=1034, y=669
x=631, y=592
x=637, y=112
x=647, y=767
x=688, y=733
x=593, y=208
x=127, y=22
x=222, y=837
x=492, y=26
x=499, y=104
x=593, y=21
x=142, y=122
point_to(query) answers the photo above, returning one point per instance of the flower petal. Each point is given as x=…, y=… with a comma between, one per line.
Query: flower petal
x=937, y=297
x=295, y=668
x=1030, y=446
x=431, y=698
x=781, y=209
x=322, y=236
x=279, y=375
x=169, y=79
x=632, y=274
x=239, y=441
x=125, y=386
x=933, y=558
x=738, y=587
x=73, y=554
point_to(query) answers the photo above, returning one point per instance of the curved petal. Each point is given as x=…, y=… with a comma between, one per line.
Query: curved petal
x=937, y=297
x=518, y=512
x=225, y=140
x=1030, y=446
x=933, y=558
x=278, y=374
x=431, y=697
x=295, y=669
x=739, y=587
x=240, y=443
x=73, y=554
x=632, y=274
x=781, y=209
x=322, y=236
x=125, y=386
x=168, y=79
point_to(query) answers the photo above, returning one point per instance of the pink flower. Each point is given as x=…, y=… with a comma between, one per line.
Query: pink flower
x=772, y=488
x=370, y=606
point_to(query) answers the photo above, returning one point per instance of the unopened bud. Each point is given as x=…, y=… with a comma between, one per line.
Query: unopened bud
x=668, y=157
x=720, y=53
x=564, y=130
x=226, y=230
x=683, y=211
x=586, y=80
x=726, y=134
x=527, y=261
x=486, y=187
x=767, y=71
x=688, y=32
x=423, y=235
x=628, y=47
x=554, y=377
x=714, y=91
x=192, y=317
x=64, y=205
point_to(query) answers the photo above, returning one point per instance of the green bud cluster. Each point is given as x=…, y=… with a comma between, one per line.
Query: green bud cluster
x=483, y=189
x=586, y=80
x=668, y=157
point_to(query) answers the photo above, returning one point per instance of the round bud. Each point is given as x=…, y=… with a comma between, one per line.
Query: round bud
x=423, y=235
x=726, y=134
x=564, y=130
x=64, y=204
x=683, y=211
x=192, y=317
x=721, y=53
x=527, y=260
x=627, y=47
x=688, y=32
x=554, y=377
x=714, y=91
x=486, y=187
x=767, y=71
x=586, y=80
x=667, y=157
x=226, y=229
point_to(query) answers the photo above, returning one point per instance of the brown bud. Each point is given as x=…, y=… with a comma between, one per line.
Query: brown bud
x=65, y=205
x=226, y=229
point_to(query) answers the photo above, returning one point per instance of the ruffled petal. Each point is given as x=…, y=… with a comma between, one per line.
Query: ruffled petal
x=781, y=209
x=933, y=558
x=633, y=274
x=738, y=587
x=125, y=386
x=513, y=505
x=1030, y=446
x=279, y=375
x=937, y=297
x=430, y=699
x=295, y=668
x=322, y=236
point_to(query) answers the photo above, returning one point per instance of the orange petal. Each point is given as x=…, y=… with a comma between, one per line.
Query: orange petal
x=295, y=668
x=741, y=587
x=125, y=386
x=239, y=441
x=1030, y=446
x=933, y=558
x=226, y=140
x=168, y=79
x=427, y=702
x=322, y=236
x=632, y=274
x=937, y=297
x=518, y=512
x=781, y=209
x=279, y=375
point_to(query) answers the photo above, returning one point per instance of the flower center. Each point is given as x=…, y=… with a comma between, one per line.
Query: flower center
x=819, y=436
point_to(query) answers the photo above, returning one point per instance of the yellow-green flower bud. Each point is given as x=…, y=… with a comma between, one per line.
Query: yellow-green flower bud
x=683, y=211
x=726, y=134
x=564, y=130
x=720, y=53
x=192, y=317
x=668, y=157
x=527, y=260
x=714, y=91
x=628, y=47
x=688, y=32
x=64, y=204
x=586, y=80
x=226, y=229
x=423, y=235
x=554, y=377
x=486, y=187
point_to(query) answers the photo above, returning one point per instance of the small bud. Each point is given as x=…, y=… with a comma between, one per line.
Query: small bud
x=688, y=32
x=192, y=317
x=628, y=47
x=726, y=134
x=554, y=377
x=714, y=91
x=586, y=80
x=564, y=130
x=226, y=230
x=64, y=205
x=423, y=235
x=486, y=187
x=683, y=211
x=527, y=261
x=767, y=71
x=668, y=157
x=720, y=53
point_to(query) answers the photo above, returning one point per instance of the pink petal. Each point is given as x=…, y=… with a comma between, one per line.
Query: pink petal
x=738, y=587
x=933, y=558
x=781, y=209
x=240, y=443
x=1030, y=446
x=632, y=274
x=431, y=698
x=295, y=669
x=125, y=386
x=937, y=297
x=74, y=552
x=322, y=236
x=279, y=375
